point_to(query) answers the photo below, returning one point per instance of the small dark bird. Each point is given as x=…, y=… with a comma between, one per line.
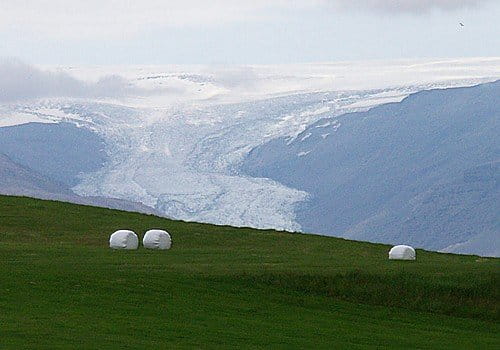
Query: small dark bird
x=461, y=24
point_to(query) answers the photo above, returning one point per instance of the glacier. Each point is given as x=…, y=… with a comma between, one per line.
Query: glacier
x=177, y=147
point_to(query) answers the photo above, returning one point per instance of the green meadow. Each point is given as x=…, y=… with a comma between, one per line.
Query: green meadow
x=61, y=287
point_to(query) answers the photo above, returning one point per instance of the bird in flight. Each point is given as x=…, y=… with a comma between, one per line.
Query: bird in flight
x=461, y=24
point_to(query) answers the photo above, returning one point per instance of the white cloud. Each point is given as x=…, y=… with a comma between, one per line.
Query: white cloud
x=20, y=81
x=235, y=77
x=405, y=6
x=118, y=18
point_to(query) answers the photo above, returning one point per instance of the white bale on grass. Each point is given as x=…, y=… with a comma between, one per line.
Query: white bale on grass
x=157, y=239
x=402, y=252
x=124, y=239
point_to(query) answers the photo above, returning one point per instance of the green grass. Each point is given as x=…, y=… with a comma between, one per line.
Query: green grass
x=221, y=287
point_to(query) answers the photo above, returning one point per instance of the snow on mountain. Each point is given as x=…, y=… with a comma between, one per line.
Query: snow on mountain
x=424, y=171
x=177, y=146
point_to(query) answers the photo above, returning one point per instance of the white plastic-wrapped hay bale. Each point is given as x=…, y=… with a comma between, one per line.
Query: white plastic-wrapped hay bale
x=157, y=239
x=402, y=252
x=124, y=239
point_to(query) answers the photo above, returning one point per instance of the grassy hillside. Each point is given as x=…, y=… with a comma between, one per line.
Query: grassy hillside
x=62, y=287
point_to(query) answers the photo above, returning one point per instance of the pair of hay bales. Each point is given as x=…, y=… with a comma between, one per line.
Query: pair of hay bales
x=128, y=240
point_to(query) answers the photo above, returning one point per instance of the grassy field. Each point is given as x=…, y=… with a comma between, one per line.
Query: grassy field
x=221, y=287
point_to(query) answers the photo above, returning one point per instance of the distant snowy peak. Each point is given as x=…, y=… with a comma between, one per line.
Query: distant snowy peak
x=169, y=85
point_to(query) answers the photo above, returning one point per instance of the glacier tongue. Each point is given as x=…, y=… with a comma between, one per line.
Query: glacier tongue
x=183, y=162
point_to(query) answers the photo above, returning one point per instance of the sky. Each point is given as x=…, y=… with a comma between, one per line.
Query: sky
x=96, y=32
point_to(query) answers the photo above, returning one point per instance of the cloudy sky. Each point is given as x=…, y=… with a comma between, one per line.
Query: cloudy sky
x=240, y=32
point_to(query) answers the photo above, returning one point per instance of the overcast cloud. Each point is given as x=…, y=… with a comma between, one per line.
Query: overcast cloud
x=245, y=32
x=90, y=18
x=20, y=81
x=405, y=6
x=118, y=18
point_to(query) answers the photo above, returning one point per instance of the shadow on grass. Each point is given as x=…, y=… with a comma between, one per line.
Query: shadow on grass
x=472, y=297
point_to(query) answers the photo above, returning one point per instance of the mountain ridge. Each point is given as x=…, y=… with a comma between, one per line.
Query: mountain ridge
x=19, y=180
x=364, y=169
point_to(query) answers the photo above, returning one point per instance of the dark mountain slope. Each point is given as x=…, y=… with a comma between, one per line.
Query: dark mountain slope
x=400, y=172
x=16, y=179
x=59, y=151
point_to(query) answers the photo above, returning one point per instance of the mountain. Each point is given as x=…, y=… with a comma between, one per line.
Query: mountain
x=176, y=140
x=60, y=151
x=16, y=179
x=423, y=171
